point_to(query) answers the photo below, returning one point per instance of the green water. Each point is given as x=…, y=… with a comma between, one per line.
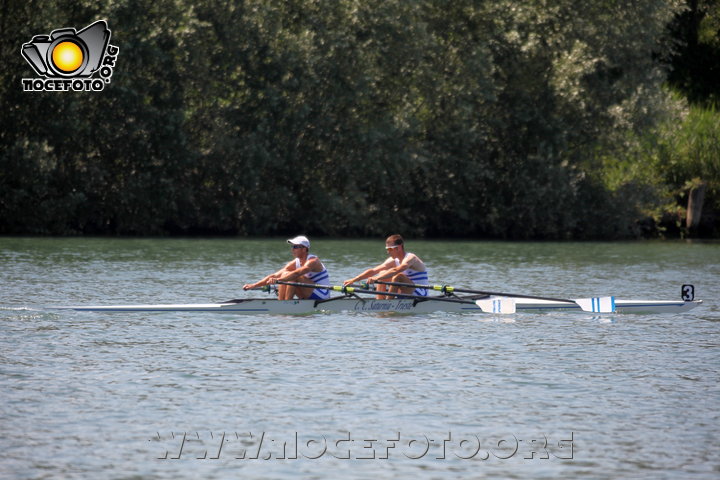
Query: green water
x=89, y=395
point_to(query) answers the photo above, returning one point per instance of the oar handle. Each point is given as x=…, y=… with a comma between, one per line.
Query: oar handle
x=334, y=288
x=264, y=288
x=309, y=285
x=437, y=288
x=348, y=290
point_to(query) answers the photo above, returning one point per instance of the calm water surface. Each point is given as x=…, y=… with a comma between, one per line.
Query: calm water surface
x=202, y=395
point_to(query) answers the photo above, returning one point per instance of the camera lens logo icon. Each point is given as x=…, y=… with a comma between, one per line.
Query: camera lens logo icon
x=68, y=57
x=67, y=52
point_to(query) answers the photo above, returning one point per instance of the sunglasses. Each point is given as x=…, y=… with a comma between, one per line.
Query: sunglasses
x=298, y=246
x=391, y=247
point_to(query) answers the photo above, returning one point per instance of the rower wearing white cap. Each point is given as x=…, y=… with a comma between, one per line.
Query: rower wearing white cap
x=305, y=268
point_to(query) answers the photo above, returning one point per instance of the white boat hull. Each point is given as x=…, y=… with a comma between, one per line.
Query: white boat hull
x=342, y=304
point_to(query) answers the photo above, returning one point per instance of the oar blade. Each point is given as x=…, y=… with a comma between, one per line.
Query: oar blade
x=597, y=304
x=502, y=305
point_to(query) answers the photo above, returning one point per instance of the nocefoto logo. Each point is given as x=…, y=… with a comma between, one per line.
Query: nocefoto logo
x=67, y=59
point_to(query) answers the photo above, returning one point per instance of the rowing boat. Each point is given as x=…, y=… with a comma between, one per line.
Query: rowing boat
x=344, y=303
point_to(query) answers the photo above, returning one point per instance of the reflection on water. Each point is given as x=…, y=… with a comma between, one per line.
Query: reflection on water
x=354, y=395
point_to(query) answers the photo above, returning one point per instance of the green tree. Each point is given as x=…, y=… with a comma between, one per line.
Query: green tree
x=337, y=117
x=696, y=63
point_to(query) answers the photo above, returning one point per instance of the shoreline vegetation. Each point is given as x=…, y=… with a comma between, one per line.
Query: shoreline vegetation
x=336, y=118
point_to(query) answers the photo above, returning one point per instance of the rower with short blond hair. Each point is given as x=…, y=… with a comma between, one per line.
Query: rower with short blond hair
x=400, y=267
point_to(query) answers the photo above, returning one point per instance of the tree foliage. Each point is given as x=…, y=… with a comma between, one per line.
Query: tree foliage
x=336, y=117
x=696, y=62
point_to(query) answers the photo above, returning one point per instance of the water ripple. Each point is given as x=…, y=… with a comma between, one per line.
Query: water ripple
x=87, y=394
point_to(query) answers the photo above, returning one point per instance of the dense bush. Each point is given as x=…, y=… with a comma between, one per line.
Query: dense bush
x=337, y=117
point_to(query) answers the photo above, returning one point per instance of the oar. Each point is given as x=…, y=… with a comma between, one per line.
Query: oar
x=264, y=288
x=594, y=304
x=487, y=305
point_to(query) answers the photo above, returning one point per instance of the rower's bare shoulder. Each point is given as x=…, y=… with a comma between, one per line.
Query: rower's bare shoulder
x=314, y=263
x=411, y=258
x=416, y=262
x=389, y=262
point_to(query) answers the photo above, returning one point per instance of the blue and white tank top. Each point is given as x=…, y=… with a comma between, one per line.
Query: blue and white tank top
x=320, y=278
x=420, y=278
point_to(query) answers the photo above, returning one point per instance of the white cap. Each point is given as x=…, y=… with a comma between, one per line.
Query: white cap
x=300, y=240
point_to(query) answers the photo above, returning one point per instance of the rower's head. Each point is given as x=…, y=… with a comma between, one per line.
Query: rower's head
x=299, y=244
x=395, y=245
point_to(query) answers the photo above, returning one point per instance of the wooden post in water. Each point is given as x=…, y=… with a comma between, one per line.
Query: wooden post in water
x=695, y=204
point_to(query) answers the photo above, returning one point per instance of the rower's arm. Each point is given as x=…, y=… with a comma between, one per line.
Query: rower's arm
x=390, y=272
x=367, y=273
x=299, y=272
x=269, y=278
